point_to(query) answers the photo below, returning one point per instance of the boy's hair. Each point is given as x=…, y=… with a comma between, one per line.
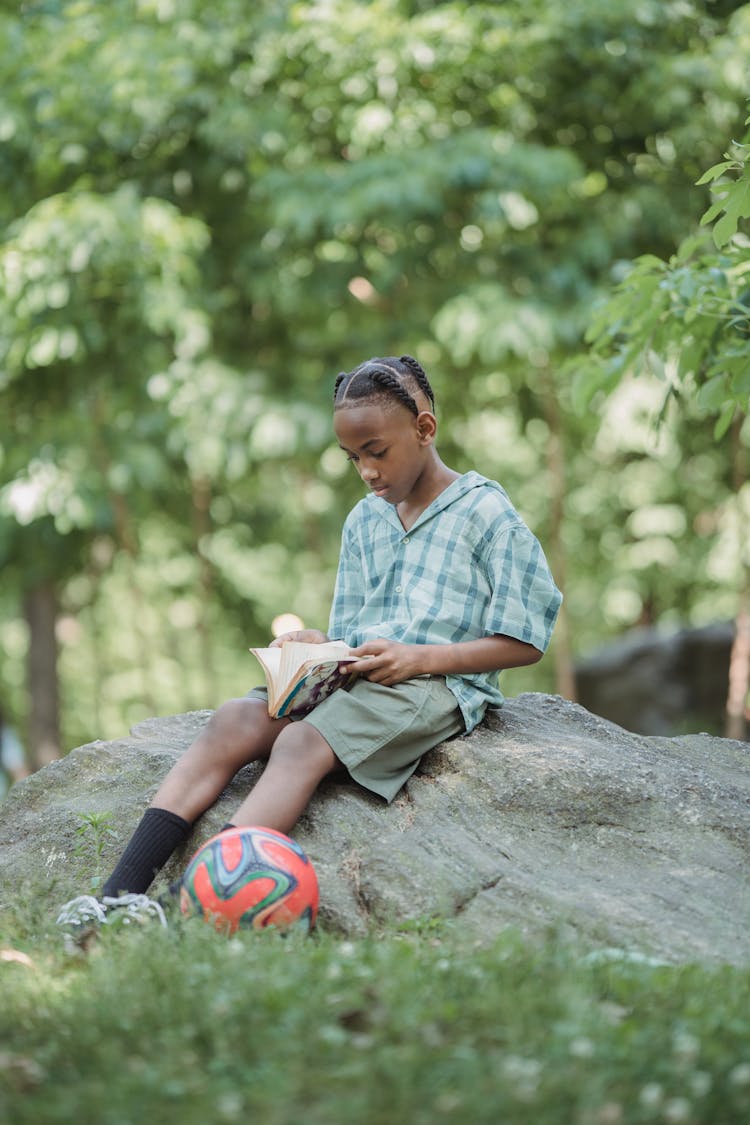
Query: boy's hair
x=395, y=377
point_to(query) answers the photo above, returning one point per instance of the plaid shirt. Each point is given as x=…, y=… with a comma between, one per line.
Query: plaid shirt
x=469, y=567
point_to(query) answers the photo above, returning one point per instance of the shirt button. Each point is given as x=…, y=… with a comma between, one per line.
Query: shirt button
x=405, y=539
x=398, y=589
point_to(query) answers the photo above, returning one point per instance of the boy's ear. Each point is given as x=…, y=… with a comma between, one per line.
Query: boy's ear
x=426, y=424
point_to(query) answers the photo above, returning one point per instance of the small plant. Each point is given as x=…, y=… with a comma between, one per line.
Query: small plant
x=94, y=832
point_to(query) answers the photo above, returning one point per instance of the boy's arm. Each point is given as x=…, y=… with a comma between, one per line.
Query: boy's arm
x=390, y=662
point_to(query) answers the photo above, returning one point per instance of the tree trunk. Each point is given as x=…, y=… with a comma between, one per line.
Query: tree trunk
x=739, y=676
x=40, y=610
x=565, y=680
x=735, y=725
x=201, y=498
x=126, y=537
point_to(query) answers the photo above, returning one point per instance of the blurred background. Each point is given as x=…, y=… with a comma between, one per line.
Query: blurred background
x=209, y=210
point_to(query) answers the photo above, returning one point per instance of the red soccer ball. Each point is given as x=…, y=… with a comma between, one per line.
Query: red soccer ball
x=251, y=878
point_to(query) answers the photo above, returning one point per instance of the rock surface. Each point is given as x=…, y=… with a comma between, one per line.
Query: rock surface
x=544, y=817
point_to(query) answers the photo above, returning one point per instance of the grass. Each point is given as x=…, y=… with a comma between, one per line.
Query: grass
x=417, y=1026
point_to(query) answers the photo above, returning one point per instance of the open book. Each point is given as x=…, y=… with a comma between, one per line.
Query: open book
x=300, y=676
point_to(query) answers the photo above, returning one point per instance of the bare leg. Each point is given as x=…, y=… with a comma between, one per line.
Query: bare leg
x=298, y=762
x=240, y=731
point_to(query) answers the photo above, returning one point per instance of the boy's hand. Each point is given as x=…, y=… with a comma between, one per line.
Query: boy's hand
x=304, y=636
x=390, y=662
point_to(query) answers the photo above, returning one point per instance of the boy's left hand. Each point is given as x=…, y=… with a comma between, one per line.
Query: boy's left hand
x=390, y=662
x=304, y=636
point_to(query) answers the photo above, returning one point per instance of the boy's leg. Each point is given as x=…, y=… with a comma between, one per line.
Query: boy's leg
x=239, y=732
x=298, y=762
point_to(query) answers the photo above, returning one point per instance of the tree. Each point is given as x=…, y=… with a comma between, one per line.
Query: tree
x=88, y=281
x=454, y=179
x=686, y=321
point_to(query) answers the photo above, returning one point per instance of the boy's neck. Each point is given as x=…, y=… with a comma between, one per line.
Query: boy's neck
x=436, y=478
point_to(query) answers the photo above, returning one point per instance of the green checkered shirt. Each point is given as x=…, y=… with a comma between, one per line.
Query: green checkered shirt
x=469, y=567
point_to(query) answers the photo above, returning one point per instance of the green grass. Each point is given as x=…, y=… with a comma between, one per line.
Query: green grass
x=419, y=1026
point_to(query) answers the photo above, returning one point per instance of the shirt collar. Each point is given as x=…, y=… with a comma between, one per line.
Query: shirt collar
x=455, y=490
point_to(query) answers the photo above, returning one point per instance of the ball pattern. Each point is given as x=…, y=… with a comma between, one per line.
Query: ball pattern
x=251, y=878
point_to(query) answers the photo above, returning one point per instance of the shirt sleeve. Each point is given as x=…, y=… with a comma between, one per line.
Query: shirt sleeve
x=525, y=600
x=348, y=593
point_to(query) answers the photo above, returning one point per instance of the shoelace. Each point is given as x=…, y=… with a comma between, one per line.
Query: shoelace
x=136, y=906
x=80, y=910
x=86, y=908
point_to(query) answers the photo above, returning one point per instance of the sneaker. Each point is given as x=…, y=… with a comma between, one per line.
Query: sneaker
x=87, y=912
x=125, y=909
x=81, y=912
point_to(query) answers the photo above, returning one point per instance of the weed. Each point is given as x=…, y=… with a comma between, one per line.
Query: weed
x=93, y=833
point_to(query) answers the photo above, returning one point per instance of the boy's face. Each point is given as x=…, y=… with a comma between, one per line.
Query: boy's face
x=388, y=446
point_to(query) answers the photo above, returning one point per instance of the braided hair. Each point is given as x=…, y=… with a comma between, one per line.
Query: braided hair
x=384, y=377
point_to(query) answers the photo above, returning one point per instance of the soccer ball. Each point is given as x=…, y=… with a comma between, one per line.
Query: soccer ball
x=251, y=878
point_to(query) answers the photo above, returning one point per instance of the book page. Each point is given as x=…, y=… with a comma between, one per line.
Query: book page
x=286, y=665
x=270, y=661
x=296, y=653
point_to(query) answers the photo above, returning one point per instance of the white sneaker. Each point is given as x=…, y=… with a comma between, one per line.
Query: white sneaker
x=82, y=911
x=125, y=909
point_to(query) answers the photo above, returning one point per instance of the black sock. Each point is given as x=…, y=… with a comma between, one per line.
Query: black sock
x=151, y=845
x=227, y=826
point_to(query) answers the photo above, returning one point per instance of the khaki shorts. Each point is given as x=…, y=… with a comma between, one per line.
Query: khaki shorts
x=380, y=733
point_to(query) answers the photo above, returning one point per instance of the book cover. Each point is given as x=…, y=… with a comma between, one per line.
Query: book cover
x=319, y=681
x=300, y=676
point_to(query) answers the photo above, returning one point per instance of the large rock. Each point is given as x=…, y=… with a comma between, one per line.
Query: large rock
x=653, y=681
x=545, y=816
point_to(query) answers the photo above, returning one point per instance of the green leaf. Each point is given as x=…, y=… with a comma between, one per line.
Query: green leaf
x=587, y=380
x=712, y=395
x=724, y=420
x=724, y=230
x=736, y=207
x=715, y=171
x=649, y=262
x=715, y=209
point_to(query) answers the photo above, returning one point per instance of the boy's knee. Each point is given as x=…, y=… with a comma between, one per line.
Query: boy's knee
x=236, y=727
x=300, y=747
x=240, y=715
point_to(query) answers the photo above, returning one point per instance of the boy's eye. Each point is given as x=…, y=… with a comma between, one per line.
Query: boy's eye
x=375, y=456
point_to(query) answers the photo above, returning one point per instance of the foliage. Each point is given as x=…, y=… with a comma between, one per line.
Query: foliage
x=686, y=319
x=208, y=214
x=686, y=323
x=87, y=281
x=733, y=197
x=682, y=326
x=395, y=1027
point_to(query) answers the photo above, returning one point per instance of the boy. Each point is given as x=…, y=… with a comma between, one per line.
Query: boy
x=440, y=585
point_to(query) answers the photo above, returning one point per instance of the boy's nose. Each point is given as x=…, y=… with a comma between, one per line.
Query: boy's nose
x=370, y=473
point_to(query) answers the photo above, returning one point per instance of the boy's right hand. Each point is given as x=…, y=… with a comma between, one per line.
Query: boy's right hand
x=304, y=636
